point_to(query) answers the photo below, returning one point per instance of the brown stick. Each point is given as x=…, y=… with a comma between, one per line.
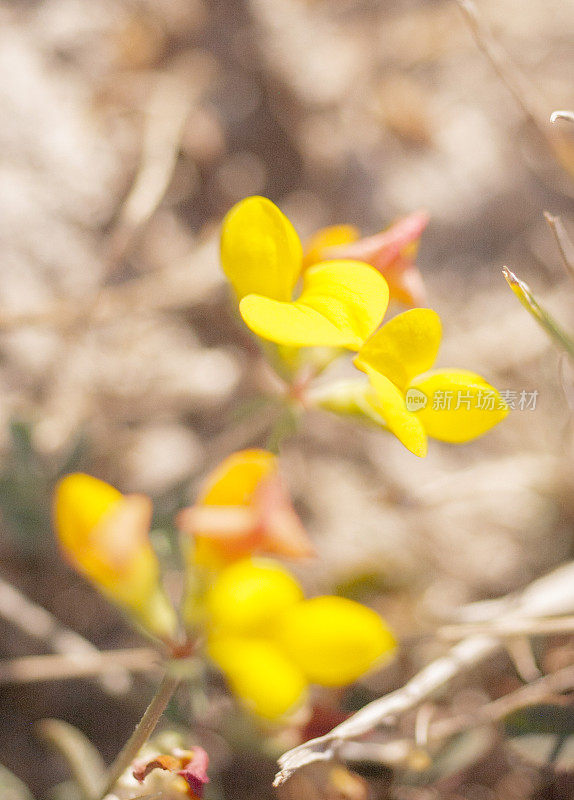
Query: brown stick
x=548, y=596
x=397, y=752
x=37, y=622
x=30, y=669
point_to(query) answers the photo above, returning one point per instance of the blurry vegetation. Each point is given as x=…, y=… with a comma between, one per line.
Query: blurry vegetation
x=129, y=129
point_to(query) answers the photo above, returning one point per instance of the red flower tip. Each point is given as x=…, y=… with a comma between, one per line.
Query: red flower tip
x=191, y=765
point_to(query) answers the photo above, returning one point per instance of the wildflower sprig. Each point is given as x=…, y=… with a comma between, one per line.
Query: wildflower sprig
x=247, y=614
x=341, y=304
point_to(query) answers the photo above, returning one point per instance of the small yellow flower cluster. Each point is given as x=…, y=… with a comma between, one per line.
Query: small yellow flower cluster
x=341, y=304
x=268, y=640
x=272, y=643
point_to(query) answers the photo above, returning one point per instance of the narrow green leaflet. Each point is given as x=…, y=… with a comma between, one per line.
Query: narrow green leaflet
x=542, y=317
x=85, y=762
x=11, y=787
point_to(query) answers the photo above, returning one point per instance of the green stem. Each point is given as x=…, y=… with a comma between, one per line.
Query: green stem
x=548, y=323
x=143, y=731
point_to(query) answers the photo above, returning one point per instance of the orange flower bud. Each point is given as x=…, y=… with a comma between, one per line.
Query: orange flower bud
x=392, y=252
x=244, y=508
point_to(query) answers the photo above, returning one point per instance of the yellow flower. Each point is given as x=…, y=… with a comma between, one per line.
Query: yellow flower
x=341, y=305
x=341, y=302
x=243, y=508
x=104, y=535
x=392, y=252
x=271, y=643
x=450, y=405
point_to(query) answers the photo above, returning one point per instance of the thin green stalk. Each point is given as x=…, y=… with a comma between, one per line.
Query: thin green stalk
x=143, y=731
x=524, y=294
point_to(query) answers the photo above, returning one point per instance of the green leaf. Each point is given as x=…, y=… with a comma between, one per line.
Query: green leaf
x=459, y=753
x=543, y=735
x=86, y=764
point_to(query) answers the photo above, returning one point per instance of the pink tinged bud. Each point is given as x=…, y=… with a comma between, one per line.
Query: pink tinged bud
x=191, y=765
x=245, y=509
x=105, y=536
x=392, y=252
x=195, y=771
x=283, y=533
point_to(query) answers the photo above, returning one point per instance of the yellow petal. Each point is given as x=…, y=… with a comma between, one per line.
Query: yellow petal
x=341, y=304
x=260, y=250
x=232, y=484
x=235, y=480
x=264, y=679
x=80, y=502
x=244, y=508
x=404, y=347
x=334, y=640
x=247, y=597
x=460, y=405
x=316, y=249
x=389, y=402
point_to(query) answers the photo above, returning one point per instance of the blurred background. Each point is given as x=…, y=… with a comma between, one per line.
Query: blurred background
x=129, y=127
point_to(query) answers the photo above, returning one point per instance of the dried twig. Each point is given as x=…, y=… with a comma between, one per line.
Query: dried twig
x=166, y=113
x=505, y=69
x=170, y=105
x=398, y=751
x=30, y=669
x=548, y=596
x=522, y=655
x=37, y=622
x=567, y=115
x=174, y=287
x=508, y=628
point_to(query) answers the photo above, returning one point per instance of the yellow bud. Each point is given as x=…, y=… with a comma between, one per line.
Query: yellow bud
x=81, y=502
x=247, y=597
x=334, y=640
x=265, y=680
x=105, y=536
